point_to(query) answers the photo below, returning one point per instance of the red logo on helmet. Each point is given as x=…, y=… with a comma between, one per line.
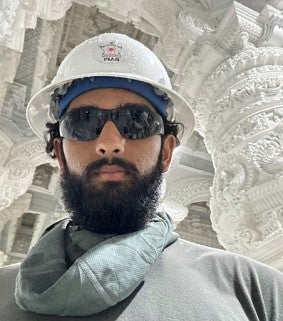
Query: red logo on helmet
x=111, y=52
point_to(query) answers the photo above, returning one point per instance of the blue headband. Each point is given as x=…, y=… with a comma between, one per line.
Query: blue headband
x=143, y=89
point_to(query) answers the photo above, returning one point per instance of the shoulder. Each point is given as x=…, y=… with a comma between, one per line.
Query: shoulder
x=221, y=259
x=217, y=274
x=223, y=268
x=229, y=270
x=8, y=273
x=8, y=276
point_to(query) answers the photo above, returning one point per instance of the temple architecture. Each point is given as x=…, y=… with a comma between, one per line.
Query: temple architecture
x=225, y=187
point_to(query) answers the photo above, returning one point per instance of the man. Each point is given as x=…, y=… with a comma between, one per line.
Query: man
x=112, y=126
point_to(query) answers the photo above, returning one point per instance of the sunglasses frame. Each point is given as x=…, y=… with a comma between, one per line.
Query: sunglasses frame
x=153, y=119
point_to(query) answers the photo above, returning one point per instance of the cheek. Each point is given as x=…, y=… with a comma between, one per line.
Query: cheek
x=78, y=155
x=145, y=153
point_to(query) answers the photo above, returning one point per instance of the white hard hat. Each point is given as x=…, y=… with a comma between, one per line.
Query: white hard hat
x=108, y=55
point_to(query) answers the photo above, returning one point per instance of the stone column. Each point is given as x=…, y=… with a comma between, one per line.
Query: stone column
x=239, y=110
x=244, y=133
x=21, y=74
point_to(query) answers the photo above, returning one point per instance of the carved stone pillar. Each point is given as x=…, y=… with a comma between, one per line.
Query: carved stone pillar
x=20, y=151
x=244, y=134
x=240, y=114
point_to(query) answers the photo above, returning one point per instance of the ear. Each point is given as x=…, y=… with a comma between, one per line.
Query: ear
x=58, y=152
x=167, y=153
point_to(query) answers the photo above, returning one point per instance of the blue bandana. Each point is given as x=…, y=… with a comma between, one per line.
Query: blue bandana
x=80, y=86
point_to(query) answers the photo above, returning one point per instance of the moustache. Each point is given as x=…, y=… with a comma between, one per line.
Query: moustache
x=93, y=168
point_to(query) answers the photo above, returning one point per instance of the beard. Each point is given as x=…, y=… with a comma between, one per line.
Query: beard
x=112, y=207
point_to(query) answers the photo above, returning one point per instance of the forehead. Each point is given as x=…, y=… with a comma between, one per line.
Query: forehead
x=109, y=98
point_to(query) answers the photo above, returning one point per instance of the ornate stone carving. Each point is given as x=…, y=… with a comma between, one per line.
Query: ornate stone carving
x=245, y=198
x=243, y=72
x=245, y=130
x=53, y=9
x=159, y=12
x=183, y=192
x=267, y=153
x=189, y=190
x=178, y=40
x=17, y=15
x=14, y=108
x=9, y=62
x=130, y=11
x=196, y=144
x=271, y=21
x=239, y=112
x=28, y=149
x=265, y=82
x=238, y=29
x=196, y=227
x=266, y=223
x=191, y=22
x=176, y=210
x=244, y=32
x=8, y=10
x=266, y=196
x=13, y=212
x=45, y=66
x=42, y=176
x=17, y=175
x=15, y=181
x=97, y=21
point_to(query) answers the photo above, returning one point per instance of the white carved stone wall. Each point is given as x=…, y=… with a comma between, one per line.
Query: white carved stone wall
x=240, y=114
x=225, y=57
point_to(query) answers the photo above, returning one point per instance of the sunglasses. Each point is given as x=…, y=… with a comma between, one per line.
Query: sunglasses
x=132, y=121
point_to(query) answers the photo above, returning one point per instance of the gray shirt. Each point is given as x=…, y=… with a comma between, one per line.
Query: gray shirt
x=188, y=282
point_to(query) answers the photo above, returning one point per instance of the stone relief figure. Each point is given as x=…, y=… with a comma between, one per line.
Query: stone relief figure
x=267, y=153
x=266, y=223
x=239, y=227
x=226, y=205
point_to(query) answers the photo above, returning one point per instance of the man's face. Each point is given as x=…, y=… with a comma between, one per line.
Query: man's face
x=114, y=173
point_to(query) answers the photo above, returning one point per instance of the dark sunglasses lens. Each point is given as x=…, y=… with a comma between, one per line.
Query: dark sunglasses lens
x=137, y=123
x=132, y=122
x=82, y=124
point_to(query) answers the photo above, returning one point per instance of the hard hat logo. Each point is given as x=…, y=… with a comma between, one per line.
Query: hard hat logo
x=111, y=52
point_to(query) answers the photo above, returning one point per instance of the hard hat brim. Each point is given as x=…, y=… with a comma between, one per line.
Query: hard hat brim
x=38, y=107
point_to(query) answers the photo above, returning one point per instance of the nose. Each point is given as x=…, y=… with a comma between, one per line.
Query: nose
x=110, y=142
